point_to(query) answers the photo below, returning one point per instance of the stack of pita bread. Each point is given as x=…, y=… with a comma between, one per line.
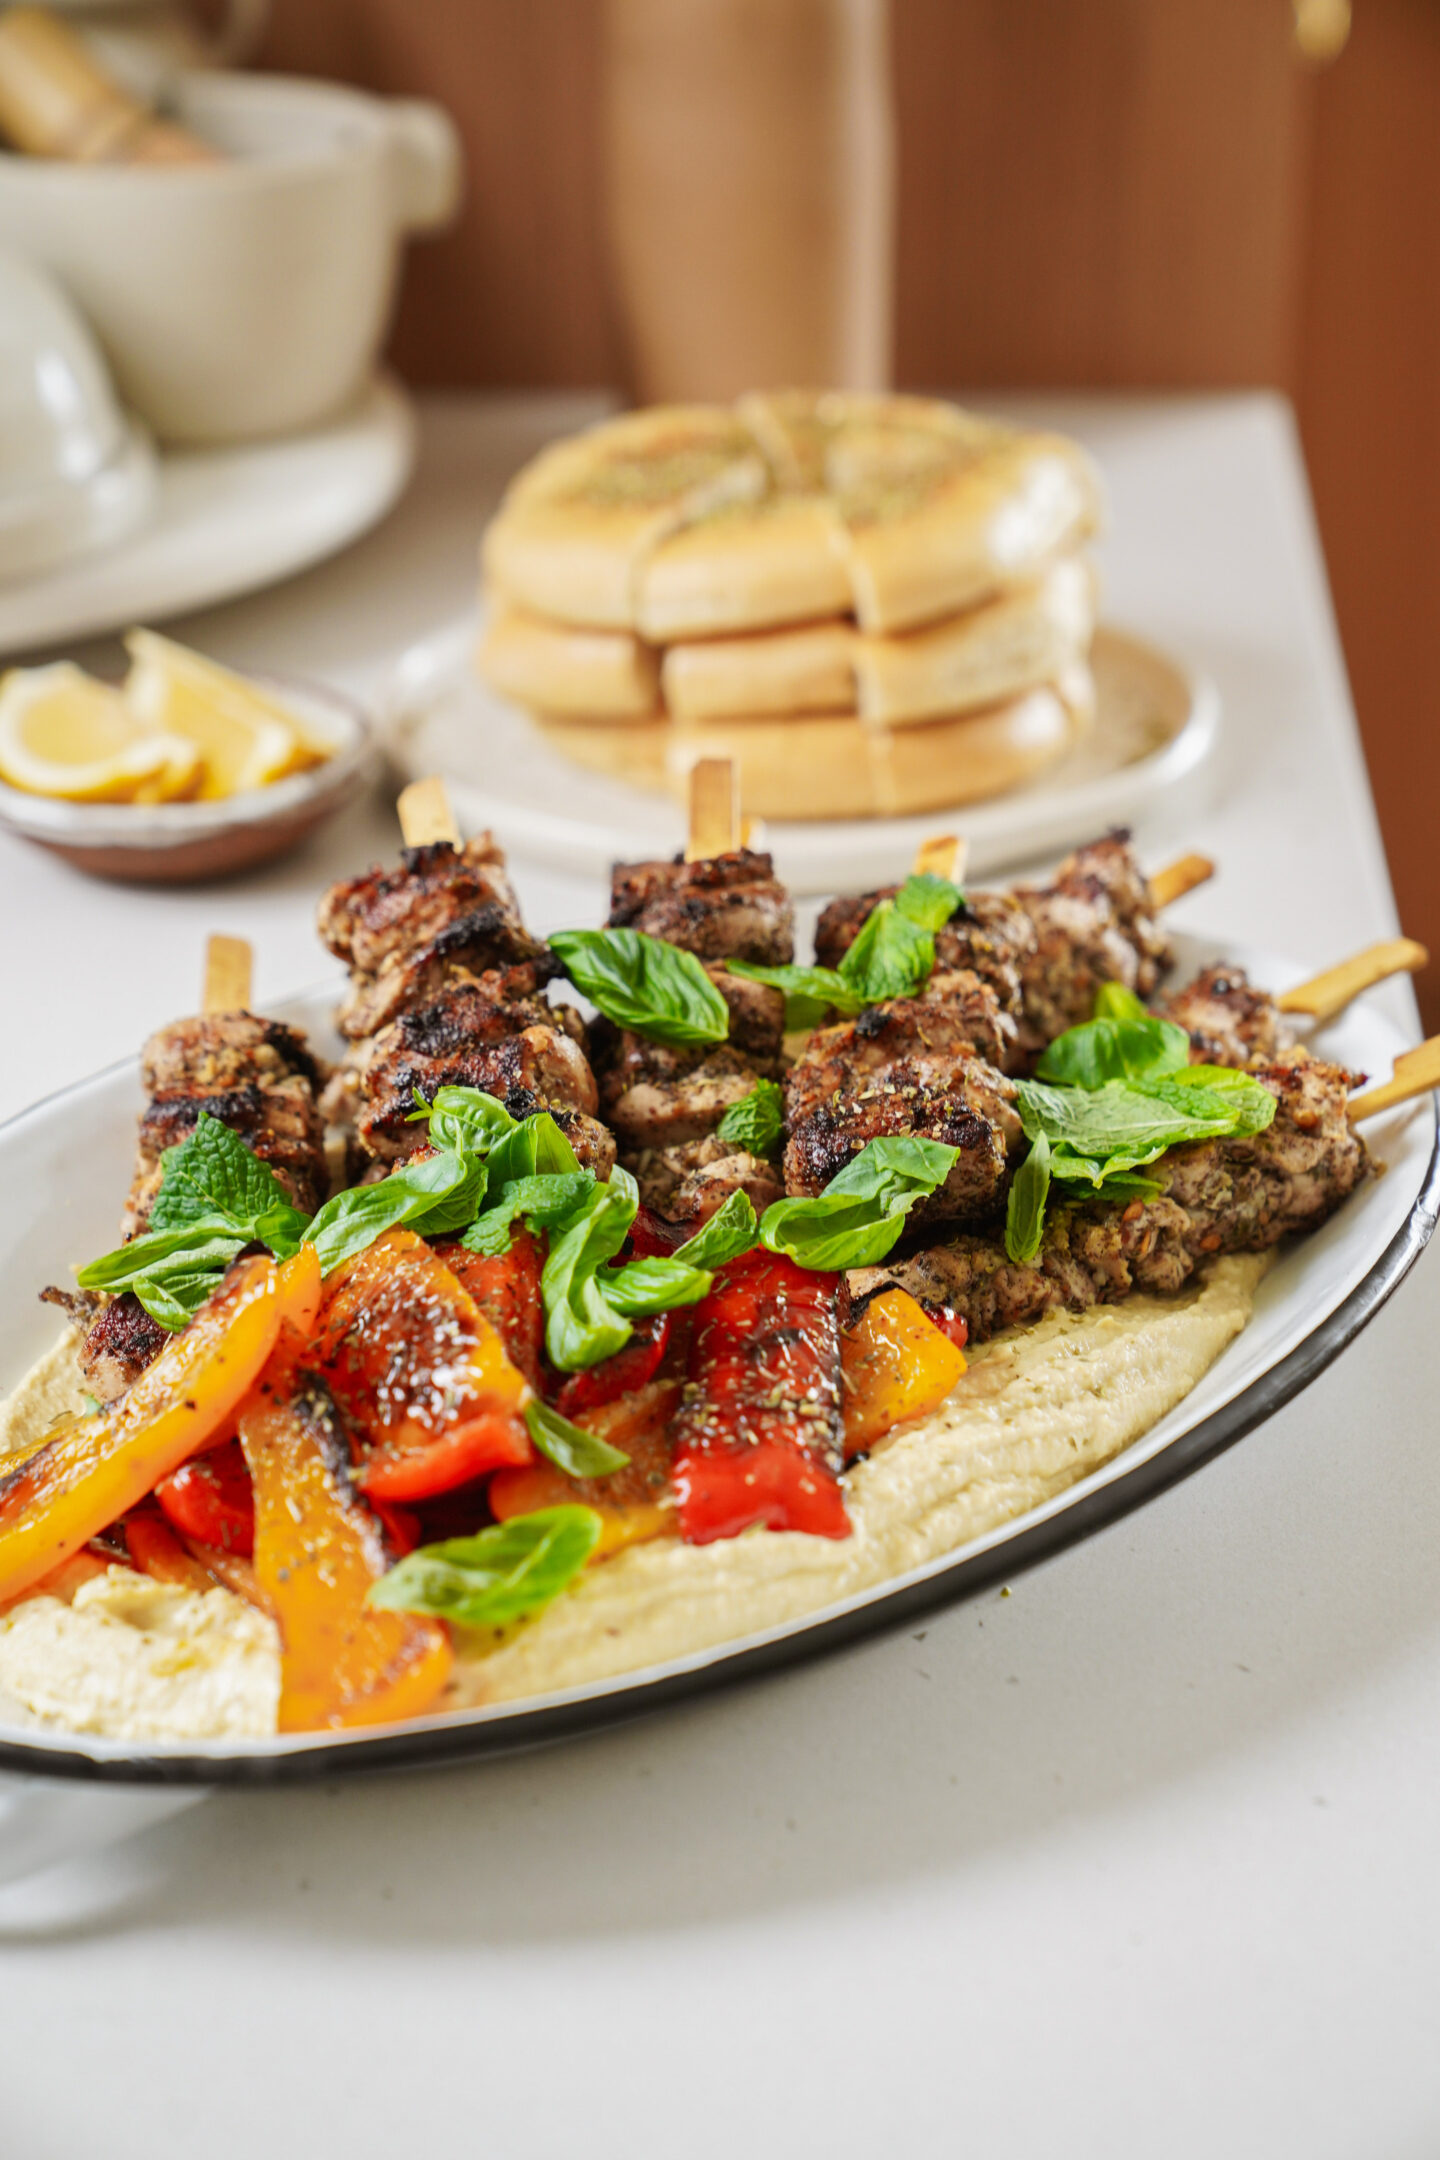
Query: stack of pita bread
x=877, y=605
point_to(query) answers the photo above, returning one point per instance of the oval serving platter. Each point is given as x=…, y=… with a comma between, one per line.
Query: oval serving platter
x=65, y=1165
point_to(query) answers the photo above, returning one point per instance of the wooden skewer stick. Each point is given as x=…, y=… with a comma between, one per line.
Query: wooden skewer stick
x=1415, y=1074
x=425, y=814
x=1178, y=878
x=715, y=822
x=942, y=855
x=1329, y=993
x=229, y=969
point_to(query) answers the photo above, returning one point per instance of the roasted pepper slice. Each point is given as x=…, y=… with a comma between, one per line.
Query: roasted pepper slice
x=209, y=1498
x=420, y=1372
x=620, y=1375
x=318, y=1549
x=758, y=1438
x=95, y=1469
x=897, y=1364
x=634, y=1504
x=506, y=1287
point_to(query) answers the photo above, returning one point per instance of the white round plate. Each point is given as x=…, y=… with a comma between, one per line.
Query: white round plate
x=226, y=521
x=1155, y=732
x=65, y=1164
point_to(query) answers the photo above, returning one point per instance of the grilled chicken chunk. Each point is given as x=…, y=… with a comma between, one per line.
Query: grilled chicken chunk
x=1093, y=924
x=688, y=1182
x=1227, y=1019
x=119, y=1339
x=988, y=936
x=726, y=907
x=213, y=1052
x=476, y=1035
x=1219, y=1196
x=387, y=916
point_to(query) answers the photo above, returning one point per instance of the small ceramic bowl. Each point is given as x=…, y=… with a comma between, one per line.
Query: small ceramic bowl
x=183, y=843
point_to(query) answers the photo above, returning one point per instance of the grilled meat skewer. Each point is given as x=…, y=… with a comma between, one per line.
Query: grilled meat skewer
x=1220, y=1196
x=1044, y=950
x=665, y=1103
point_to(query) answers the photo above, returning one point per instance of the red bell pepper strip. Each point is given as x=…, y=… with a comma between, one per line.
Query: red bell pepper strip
x=758, y=1439
x=506, y=1287
x=623, y=1374
x=210, y=1498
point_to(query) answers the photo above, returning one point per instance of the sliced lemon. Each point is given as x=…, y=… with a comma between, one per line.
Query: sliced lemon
x=64, y=734
x=245, y=738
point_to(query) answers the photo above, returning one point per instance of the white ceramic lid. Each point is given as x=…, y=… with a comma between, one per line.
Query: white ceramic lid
x=75, y=472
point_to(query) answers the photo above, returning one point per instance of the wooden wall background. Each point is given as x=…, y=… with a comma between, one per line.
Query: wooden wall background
x=1154, y=193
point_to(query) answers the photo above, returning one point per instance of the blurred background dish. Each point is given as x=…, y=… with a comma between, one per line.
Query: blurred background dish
x=183, y=842
x=226, y=521
x=76, y=474
x=1149, y=755
x=250, y=296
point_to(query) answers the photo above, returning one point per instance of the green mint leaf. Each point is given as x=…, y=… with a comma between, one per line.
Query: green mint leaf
x=643, y=984
x=928, y=900
x=757, y=1120
x=213, y=1176
x=858, y=1218
x=891, y=957
x=502, y=1574
x=810, y=993
x=1250, y=1103
x=731, y=1230
x=410, y=1196
x=581, y=1326
x=1025, y=1208
x=578, y=1453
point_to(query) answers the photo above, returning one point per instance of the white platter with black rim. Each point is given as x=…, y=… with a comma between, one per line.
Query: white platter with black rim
x=65, y=1165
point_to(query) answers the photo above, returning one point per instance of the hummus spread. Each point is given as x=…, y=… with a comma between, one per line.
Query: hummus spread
x=1038, y=1409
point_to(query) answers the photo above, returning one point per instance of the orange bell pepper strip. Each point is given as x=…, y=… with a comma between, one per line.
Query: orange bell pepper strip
x=318, y=1549
x=420, y=1371
x=895, y=1364
x=155, y=1551
x=94, y=1469
x=634, y=1504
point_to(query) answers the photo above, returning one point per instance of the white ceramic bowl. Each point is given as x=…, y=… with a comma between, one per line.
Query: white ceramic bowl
x=249, y=297
x=183, y=843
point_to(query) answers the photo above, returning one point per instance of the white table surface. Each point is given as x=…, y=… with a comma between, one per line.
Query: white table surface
x=1139, y=1860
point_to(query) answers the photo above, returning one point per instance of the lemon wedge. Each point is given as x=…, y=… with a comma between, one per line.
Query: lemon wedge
x=64, y=734
x=245, y=739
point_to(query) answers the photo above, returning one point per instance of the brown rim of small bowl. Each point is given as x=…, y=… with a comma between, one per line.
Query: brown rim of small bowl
x=202, y=837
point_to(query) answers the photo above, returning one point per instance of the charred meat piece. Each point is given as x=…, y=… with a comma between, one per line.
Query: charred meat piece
x=1227, y=1019
x=687, y=1182
x=465, y=951
x=728, y=907
x=1093, y=924
x=988, y=935
x=1219, y=1196
x=213, y=1052
x=474, y=1037
x=387, y=916
x=658, y=1095
x=910, y=1065
x=118, y=1337
x=278, y=1122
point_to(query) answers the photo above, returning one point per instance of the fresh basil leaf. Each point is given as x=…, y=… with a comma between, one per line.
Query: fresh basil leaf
x=1119, y=1123
x=581, y=1326
x=641, y=983
x=499, y=1575
x=171, y=1272
x=1108, y=1049
x=578, y=1453
x=213, y=1176
x=757, y=1120
x=543, y=1201
x=891, y=957
x=465, y=1120
x=810, y=992
x=554, y=1156
x=1116, y=1001
x=459, y=1208
x=858, y=1218
x=928, y=900
x=658, y=1283
x=731, y=1230
x=412, y=1195
x=1025, y=1208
